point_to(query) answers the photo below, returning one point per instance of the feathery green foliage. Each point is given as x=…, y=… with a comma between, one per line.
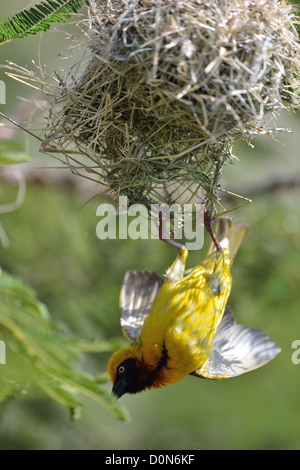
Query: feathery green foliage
x=37, y=357
x=38, y=18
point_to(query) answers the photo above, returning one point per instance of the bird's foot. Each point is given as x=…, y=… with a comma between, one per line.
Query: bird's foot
x=208, y=222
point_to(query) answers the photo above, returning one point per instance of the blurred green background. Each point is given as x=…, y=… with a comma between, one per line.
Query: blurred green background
x=53, y=247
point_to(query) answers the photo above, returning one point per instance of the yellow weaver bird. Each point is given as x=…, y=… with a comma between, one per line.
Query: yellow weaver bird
x=182, y=325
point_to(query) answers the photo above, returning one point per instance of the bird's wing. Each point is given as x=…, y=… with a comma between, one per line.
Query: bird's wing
x=236, y=349
x=139, y=290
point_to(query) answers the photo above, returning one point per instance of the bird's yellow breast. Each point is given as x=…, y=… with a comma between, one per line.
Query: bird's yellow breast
x=184, y=319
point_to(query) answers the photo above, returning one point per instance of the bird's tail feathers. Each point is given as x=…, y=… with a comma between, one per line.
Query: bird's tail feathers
x=229, y=236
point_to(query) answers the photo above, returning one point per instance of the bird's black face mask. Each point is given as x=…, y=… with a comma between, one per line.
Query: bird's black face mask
x=126, y=378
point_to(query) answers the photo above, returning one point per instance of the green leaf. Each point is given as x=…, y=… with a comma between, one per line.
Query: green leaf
x=39, y=356
x=89, y=387
x=60, y=395
x=38, y=18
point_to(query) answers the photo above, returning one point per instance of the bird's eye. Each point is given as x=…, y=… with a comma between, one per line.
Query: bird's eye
x=121, y=369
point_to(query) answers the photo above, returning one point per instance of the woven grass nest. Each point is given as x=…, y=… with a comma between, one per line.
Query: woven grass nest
x=164, y=89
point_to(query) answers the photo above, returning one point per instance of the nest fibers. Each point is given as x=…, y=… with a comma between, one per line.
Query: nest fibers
x=166, y=86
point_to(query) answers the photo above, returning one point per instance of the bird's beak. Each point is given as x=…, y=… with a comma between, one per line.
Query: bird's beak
x=120, y=387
